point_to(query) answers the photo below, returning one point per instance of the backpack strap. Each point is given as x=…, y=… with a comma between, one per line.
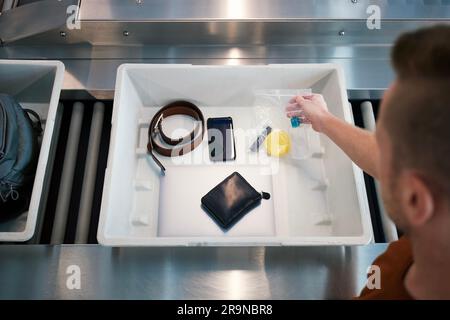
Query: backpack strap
x=35, y=124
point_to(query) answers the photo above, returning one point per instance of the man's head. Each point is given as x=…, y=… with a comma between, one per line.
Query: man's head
x=414, y=139
x=413, y=130
x=423, y=53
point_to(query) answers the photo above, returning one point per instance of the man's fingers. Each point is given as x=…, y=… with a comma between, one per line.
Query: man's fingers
x=302, y=118
x=317, y=97
x=295, y=113
x=292, y=107
x=299, y=99
x=293, y=99
x=296, y=99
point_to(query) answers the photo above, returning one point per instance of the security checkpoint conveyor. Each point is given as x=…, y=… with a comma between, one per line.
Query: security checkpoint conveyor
x=93, y=38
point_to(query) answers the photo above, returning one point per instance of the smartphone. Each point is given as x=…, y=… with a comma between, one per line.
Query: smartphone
x=221, y=139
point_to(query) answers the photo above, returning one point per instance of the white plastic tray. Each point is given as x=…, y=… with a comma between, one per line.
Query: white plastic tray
x=36, y=85
x=320, y=200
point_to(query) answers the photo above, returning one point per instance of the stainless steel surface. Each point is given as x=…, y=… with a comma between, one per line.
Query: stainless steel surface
x=7, y=5
x=68, y=171
x=90, y=174
x=216, y=32
x=233, y=32
x=175, y=10
x=100, y=75
x=389, y=228
x=39, y=272
x=226, y=33
x=34, y=18
x=95, y=68
x=46, y=185
x=200, y=51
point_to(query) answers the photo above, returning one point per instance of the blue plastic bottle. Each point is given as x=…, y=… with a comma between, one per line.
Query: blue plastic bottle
x=295, y=122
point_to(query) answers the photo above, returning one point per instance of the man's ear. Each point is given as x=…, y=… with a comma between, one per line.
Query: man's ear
x=417, y=199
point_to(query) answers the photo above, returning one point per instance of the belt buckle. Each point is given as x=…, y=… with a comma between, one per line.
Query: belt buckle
x=155, y=129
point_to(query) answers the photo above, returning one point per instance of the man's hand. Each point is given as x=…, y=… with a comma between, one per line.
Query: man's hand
x=358, y=144
x=310, y=109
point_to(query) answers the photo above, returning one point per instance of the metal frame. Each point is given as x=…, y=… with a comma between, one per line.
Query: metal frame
x=213, y=32
x=202, y=32
x=40, y=272
x=266, y=10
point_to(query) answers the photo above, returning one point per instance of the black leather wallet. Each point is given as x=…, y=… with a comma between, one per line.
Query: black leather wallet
x=231, y=199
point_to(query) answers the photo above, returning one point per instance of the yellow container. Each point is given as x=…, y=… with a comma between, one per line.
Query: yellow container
x=277, y=143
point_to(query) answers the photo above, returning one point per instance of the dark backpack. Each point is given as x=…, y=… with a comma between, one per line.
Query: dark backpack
x=19, y=152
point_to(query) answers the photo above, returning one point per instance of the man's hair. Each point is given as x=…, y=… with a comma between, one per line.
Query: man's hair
x=417, y=119
x=417, y=115
x=423, y=53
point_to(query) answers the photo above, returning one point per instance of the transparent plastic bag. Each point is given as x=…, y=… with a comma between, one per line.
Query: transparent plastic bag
x=305, y=154
x=269, y=109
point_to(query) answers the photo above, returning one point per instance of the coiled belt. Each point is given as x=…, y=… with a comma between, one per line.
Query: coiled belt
x=181, y=145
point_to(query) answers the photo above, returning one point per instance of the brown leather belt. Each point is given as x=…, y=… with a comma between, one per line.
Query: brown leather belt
x=181, y=145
